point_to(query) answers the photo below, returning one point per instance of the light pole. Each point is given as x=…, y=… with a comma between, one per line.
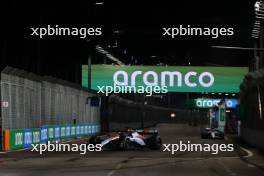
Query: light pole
x=258, y=36
x=257, y=33
x=258, y=30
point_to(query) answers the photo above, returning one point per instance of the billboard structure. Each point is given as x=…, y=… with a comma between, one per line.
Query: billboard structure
x=210, y=103
x=175, y=78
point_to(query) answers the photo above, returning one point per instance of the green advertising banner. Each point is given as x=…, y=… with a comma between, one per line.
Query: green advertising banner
x=82, y=130
x=73, y=130
x=222, y=114
x=62, y=131
x=176, y=78
x=36, y=136
x=16, y=139
x=210, y=103
x=51, y=133
x=19, y=139
x=90, y=129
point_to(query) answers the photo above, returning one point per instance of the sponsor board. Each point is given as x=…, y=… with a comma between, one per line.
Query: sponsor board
x=209, y=103
x=28, y=138
x=175, y=78
x=24, y=138
x=16, y=139
x=44, y=134
x=36, y=136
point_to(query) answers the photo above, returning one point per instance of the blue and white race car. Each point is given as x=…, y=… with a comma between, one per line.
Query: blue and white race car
x=130, y=139
x=212, y=133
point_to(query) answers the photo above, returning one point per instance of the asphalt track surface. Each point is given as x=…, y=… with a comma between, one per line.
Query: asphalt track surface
x=147, y=162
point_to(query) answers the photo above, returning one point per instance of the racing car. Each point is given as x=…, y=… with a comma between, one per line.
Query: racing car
x=129, y=139
x=212, y=133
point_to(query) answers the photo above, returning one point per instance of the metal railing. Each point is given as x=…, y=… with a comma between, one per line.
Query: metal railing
x=125, y=113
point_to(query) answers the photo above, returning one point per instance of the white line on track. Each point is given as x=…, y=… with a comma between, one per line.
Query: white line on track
x=249, y=153
x=112, y=172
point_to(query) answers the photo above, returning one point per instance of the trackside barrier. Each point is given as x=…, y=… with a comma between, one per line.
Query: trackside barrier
x=30, y=101
x=17, y=139
x=36, y=136
x=44, y=134
x=23, y=138
x=7, y=140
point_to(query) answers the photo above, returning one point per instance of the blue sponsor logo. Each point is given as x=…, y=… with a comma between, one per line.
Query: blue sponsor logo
x=68, y=131
x=28, y=138
x=86, y=132
x=44, y=134
x=56, y=132
x=231, y=103
x=78, y=130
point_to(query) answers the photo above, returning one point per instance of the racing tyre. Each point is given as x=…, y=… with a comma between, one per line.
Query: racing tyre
x=203, y=136
x=155, y=143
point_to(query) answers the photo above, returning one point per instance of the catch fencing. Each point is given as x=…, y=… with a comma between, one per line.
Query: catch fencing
x=124, y=114
x=252, y=108
x=29, y=101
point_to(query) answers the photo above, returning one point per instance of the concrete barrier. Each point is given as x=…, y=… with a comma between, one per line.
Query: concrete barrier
x=23, y=138
x=253, y=137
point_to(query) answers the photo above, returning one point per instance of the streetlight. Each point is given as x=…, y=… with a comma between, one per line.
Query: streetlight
x=99, y=3
x=101, y=50
x=257, y=32
x=172, y=115
x=259, y=9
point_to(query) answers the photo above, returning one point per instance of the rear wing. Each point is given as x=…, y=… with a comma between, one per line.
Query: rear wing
x=147, y=131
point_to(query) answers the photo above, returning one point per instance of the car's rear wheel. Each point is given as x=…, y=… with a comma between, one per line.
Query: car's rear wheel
x=203, y=136
x=155, y=143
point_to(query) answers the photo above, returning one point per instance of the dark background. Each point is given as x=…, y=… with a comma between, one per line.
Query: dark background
x=139, y=25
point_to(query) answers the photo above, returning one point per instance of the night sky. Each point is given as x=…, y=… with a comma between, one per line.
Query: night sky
x=140, y=33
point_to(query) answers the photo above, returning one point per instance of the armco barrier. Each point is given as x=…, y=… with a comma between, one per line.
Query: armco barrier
x=23, y=138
